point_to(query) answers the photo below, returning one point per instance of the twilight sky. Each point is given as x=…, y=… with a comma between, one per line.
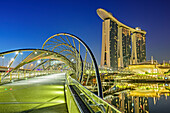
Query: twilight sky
x=28, y=23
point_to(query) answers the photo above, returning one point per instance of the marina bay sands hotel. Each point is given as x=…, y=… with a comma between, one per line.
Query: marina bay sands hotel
x=121, y=44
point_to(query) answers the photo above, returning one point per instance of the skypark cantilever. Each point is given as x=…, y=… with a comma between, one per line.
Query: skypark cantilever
x=103, y=14
x=121, y=45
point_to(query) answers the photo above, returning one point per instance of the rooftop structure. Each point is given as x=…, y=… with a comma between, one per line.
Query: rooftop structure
x=121, y=45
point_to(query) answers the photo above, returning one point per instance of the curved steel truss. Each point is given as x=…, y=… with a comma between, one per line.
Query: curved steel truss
x=79, y=53
x=44, y=56
x=70, y=50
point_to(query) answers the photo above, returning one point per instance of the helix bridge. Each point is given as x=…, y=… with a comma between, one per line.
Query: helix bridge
x=70, y=61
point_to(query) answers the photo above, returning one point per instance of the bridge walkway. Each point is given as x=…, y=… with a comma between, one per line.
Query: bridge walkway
x=44, y=94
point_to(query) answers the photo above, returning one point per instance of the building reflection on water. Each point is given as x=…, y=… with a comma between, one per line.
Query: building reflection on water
x=137, y=100
x=130, y=104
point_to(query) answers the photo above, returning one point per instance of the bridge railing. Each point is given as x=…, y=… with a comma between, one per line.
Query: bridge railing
x=20, y=75
x=96, y=103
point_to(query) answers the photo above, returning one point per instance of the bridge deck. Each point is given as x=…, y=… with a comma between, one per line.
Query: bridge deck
x=43, y=94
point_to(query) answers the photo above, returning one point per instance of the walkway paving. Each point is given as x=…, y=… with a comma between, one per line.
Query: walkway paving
x=43, y=94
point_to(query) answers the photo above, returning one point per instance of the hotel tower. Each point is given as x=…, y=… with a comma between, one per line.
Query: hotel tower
x=121, y=44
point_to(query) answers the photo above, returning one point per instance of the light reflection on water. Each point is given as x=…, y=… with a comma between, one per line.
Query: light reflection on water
x=140, y=97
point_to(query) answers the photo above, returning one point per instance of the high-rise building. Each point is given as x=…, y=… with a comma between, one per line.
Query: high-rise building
x=121, y=44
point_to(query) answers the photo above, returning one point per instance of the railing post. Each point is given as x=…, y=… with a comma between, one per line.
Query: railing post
x=0, y=77
x=10, y=76
x=18, y=74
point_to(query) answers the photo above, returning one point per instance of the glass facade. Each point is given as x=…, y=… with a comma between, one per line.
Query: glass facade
x=117, y=45
x=126, y=46
x=121, y=44
x=113, y=44
x=140, y=47
x=105, y=54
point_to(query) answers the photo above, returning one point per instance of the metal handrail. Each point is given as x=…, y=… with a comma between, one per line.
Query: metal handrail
x=98, y=102
x=75, y=100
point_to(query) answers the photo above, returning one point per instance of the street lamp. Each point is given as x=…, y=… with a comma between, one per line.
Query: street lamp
x=31, y=65
x=38, y=61
x=72, y=60
x=16, y=52
x=12, y=59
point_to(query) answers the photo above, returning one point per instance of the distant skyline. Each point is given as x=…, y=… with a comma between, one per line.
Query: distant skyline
x=27, y=24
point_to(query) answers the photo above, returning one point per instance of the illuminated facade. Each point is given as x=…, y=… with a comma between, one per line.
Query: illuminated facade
x=126, y=46
x=121, y=45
